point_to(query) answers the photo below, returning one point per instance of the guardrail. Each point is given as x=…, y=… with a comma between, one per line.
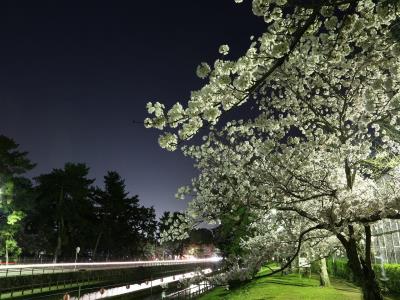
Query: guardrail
x=20, y=280
x=40, y=269
x=191, y=292
x=80, y=259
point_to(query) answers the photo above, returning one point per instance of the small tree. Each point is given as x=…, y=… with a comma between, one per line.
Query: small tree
x=12, y=164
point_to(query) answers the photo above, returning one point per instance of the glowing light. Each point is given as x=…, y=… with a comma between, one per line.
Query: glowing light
x=117, y=263
x=137, y=287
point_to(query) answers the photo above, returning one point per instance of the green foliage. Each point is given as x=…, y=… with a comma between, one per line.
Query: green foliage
x=14, y=217
x=339, y=268
x=9, y=222
x=167, y=221
x=12, y=164
x=392, y=272
x=268, y=268
x=63, y=209
x=289, y=287
x=381, y=165
x=201, y=236
x=234, y=227
x=12, y=161
x=105, y=223
x=124, y=227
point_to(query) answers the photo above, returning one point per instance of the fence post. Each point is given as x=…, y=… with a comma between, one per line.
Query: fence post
x=41, y=286
x=151, y=284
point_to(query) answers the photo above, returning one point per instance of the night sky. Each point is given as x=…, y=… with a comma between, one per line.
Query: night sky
x=75, y=74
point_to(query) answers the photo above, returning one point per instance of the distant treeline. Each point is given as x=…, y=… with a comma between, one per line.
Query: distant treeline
x=53, y=214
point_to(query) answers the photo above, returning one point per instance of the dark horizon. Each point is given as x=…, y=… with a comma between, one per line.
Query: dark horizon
x=74, y=76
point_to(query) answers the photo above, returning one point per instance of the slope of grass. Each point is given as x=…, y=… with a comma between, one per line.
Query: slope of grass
x=288, y=287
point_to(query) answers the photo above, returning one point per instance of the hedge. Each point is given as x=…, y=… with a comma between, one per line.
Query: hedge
x=392, y=274
x=339, y=268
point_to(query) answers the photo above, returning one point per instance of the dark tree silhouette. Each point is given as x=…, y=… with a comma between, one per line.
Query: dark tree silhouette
x=63, y=208
x=125, y=227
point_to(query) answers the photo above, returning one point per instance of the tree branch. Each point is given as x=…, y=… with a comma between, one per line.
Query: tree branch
x=319, y=226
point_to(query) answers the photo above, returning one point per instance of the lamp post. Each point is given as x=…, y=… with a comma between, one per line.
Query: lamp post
x=41, y=253
x=76, y=255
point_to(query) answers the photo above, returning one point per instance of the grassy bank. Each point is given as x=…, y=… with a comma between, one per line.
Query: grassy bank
x=289, y=287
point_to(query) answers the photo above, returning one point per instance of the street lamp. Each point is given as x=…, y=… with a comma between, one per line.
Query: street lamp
x=41, y=253
x=76, y=255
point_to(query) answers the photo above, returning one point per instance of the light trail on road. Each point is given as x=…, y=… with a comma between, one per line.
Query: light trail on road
x=131, y=288
x=112, y=264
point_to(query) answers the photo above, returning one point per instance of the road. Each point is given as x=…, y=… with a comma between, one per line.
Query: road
x=36, y=269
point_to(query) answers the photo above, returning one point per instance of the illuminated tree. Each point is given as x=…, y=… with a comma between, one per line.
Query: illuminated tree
x=13, y=163
x=174, y=233
x=325, y=145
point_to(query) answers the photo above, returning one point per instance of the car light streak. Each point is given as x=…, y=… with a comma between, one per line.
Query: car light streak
x=110, y=264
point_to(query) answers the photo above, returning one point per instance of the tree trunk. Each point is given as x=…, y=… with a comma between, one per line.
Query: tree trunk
x=371, y=289
x=290, y=267
x=370, y=286
x=57, y=251
x=6, y=253
x=354, y=262
x=323, y=273
x=363, y=274
x=97, y=244
x=297, y=263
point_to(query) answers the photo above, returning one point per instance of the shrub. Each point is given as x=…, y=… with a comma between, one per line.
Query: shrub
x=392, y=272
x=339, y=268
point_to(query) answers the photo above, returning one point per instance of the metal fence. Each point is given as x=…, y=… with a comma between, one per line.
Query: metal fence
x=49, y=260
x=386, y=241
x=18, y=280
x=40, y=269
x=191, y=292
x=7, y=271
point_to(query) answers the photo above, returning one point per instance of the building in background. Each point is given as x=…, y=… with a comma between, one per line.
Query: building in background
x=386, y=241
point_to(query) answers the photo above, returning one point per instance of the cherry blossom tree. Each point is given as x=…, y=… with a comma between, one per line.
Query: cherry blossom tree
x=295, y=178
x=326, y=142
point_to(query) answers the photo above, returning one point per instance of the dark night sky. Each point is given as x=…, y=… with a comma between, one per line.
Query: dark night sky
x=74, y=74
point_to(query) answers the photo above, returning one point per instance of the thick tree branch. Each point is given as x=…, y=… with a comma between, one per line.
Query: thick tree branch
x=302, y=234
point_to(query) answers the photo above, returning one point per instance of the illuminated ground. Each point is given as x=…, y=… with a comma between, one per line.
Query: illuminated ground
x=289, y=287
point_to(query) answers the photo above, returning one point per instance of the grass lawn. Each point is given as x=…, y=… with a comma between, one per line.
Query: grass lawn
x=289, y=287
